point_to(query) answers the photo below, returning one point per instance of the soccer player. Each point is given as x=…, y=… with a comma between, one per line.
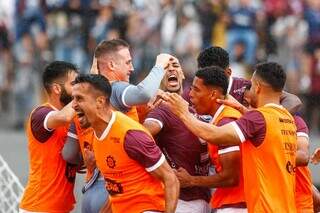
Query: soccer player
x=268, y=141
x=113, y=61
x=51, y=179
x=137, y=175
x=181, y=148
x=217, y=56
x=209, y=84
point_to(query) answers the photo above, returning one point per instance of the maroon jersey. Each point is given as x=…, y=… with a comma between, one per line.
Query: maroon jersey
x=182, y=149
x=237, y=87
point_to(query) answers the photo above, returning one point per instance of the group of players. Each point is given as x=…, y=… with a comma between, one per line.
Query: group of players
x=224, y=145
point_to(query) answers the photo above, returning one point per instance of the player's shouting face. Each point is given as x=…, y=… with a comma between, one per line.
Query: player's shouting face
x=172, y=81
x=83, y=103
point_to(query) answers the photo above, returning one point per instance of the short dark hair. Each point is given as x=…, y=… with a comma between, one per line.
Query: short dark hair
x=214, y=76
x=105, y=47
x=56, y=70
x=273, y=74
x=98, y=82
x=213, y=56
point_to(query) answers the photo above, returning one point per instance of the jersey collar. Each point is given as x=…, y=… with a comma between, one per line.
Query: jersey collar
x=273, y=105
x=107, y=130
x=229, y=85
x=218, y=112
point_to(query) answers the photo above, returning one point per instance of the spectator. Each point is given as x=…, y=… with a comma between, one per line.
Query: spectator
x=290, y=32
x=188, y=40
x=242, y=29
x=23, y=82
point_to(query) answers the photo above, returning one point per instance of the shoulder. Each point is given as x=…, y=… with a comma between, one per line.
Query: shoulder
x=301, y=125
x=40, y=111
x=40, y=115
x=38, y=123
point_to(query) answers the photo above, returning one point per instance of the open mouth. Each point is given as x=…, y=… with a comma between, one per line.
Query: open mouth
x=173, y=80
x=80, y=114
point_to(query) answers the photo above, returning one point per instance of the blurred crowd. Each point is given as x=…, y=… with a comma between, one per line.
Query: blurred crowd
x=35, y=32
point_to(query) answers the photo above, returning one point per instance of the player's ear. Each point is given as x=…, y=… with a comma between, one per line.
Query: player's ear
x=101, y=101
x=56, y=88
x=213, y=95
x=228, y=72
x=258, y=88
x=111, y=65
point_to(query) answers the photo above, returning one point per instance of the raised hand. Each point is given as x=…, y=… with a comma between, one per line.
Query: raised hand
x=176, y=103
x=163, y=60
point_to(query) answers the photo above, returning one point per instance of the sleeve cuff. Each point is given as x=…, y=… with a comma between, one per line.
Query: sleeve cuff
x=123, y=96
x=238, y=131
x=71, y=135
x=228, y=149
x=155, y=120
x=46, y=121
x=157, y=165
x=302, y=134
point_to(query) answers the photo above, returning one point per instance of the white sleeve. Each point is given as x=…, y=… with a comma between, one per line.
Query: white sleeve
x=302, y=134
x=155, y=120
x=46, y=120
x=238, y=131
x=228, y=149
x=157, y=165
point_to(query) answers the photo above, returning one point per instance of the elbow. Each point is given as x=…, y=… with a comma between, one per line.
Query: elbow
x=302, y=160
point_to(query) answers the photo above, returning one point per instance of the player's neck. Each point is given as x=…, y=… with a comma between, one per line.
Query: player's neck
x=102, y=122
x=55, y=102
x=215, y=108
x=273, y=98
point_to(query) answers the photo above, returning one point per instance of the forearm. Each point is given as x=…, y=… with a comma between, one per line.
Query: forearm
x=61, y=118
x=70, y=152
x=172, y=188
x=146, y=89
x=213, y=181
x=201, y=129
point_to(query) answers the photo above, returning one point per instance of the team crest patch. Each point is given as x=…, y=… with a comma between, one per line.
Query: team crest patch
x=111, y=162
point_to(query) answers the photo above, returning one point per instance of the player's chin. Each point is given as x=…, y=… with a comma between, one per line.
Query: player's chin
x=84, y=123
